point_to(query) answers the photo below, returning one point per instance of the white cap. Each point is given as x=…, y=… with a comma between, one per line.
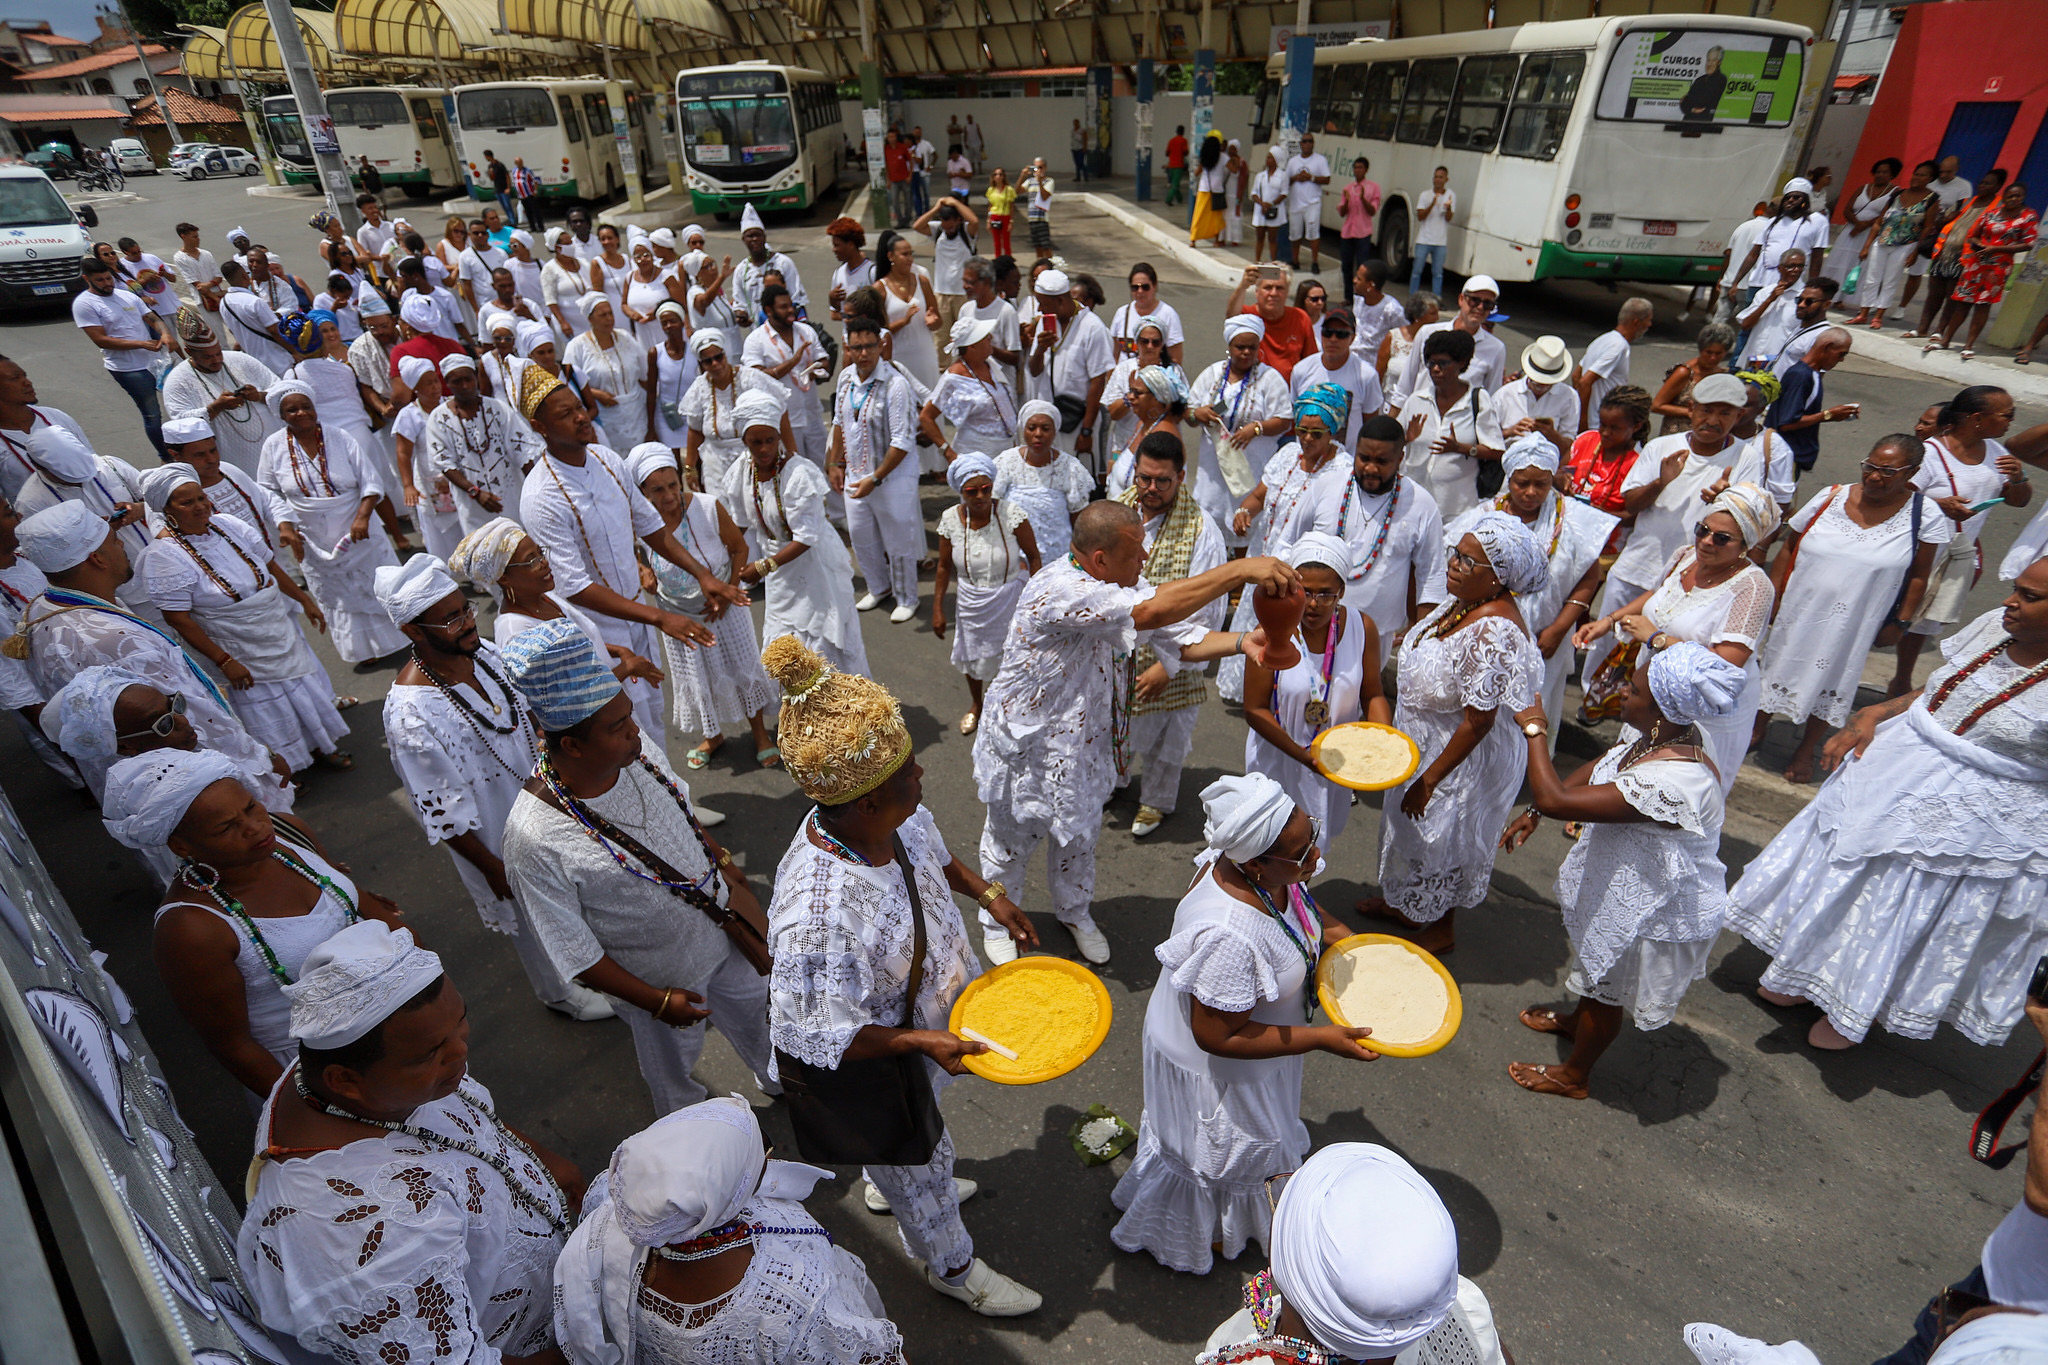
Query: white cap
x=1481, y=284
x=1052, y=283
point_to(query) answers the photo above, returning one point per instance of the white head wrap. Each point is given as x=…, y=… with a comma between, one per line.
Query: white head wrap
x=1320, y=547
x=482, y=555
x=692, y=262
x=663, y=237
x=1517, y=560
x=1997, y=1339
x=1715, y=1345
x=969, y=464
x=750, y=217
x=61, y=537
x=759, y=408
x=158, y=484
x=420, y=312
x=405, y=590
x=355, y=981
x=79, y=719
x=413, y=368
x=590, y=299
x=669, y=1185
x=502, y=321
x=1364, y=1251
x=456, y=360
x=1052, y=283
x=1037, y=407
x=240, y=234
x=650, y=457
x=283, y=389
x=1237, y=326
x=693, y=231
x=189, y=426
x=1692, y=683
x=1530, y=448
x=554, y=237
x=704, y=338
x=523, y=237
x=147, y=795
x=672, y=307
x=370, y=304
x=1755, y=511
x=62, y=455
x=530, y=336
x=1244, y=815
x=1798, y=184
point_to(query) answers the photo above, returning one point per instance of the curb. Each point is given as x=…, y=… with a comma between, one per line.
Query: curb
x=2020, y=381
x=1206, y=265
x=282, y=191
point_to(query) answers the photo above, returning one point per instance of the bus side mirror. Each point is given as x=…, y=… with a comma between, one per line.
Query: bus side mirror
x=88, y=216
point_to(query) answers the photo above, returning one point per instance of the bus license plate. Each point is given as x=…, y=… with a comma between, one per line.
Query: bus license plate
x=1660, y=227
x=47, y=289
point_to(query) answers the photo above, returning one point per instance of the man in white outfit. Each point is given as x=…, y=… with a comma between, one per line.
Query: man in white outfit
x=788, y=352
x=874, y=429
x=1543, y=399
x=1397, y=547
x=1307, y=172
x=1489, y=367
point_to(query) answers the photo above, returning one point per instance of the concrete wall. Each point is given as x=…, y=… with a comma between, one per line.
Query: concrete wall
x=1016, y=130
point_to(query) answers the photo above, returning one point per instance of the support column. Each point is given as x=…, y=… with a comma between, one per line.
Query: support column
x=622, y=137
x=1204, y=110
x=1098, y=120
x=874, y=124
x=671, y=145
x=298, y=70
x=448, y=83
x=1141, y=142
x=251, y=103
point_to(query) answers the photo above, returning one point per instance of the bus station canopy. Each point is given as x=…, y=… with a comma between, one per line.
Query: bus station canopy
x=252, y=49
x=435, y=33
x=206, y=54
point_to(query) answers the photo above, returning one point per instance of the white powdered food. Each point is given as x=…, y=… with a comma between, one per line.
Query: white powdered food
x=1364, y=753
x=1386, y=988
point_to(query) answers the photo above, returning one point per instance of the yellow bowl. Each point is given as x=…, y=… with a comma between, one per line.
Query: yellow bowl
x=994, y=1067
x=1454, y=1010
x=1315, y=751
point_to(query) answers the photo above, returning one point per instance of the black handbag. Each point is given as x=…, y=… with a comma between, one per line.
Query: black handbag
x=1491, y=473
x=1072, y=410
x=877, y=1112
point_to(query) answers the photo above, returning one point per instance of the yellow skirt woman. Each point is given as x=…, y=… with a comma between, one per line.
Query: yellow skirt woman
x=1207, y=224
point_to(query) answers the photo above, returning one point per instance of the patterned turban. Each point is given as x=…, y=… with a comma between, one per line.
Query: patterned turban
x=1326, y=401
x=1517, y=560
x=558, y=673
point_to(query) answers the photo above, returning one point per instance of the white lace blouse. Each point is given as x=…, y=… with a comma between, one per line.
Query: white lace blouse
x=986, y=556
x=1736, y=610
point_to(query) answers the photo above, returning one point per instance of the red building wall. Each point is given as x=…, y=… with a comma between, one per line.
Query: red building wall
x=1962, y=50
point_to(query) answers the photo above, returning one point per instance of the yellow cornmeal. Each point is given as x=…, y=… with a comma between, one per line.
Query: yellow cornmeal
x=1386, y=988
x=1046, y=1017
x=1358, y=753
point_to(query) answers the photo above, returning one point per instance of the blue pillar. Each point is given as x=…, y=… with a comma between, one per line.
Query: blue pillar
x=1205, y=115
x=1142, y=164
x=1296, y=84
x=1097, y=120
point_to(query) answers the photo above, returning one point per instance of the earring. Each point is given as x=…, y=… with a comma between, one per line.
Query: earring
x=205, y=876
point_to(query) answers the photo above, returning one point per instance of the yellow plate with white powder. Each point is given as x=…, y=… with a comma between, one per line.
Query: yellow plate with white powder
x=1365, y=755
x=1051, y=1012
x=1403, y=994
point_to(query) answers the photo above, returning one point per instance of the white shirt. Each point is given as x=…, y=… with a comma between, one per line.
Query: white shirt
x=1356, y=377
x=119, y=314
x=949, y=256
x=1781, y=235
x=1125, y=322
x=1082, y=352
x=923, y=155
x=874, y=416
x=1951, y=193
x=476, y=267
x=959, y=175
x=1383, y=565
x=1774, y=324
x=1794, y=348
x=1739, y=242
x=194, y=270
x=1665, y=526
x=1374, y=321
x=1433, y=230
x=2015, y=1257
x=1560, y=403
x=847, y=278
x=1488, y=368
x=1451, y=479
x=1306, y=194
x=374, y=238
x=1607, y=358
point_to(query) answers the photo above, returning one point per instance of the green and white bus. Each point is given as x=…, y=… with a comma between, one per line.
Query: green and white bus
x=758, y=134
x=402, y=129
x=563, y=130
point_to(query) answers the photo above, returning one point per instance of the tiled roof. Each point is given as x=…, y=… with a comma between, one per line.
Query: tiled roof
x=185, y=108
x=86, y=65
x=58, y=115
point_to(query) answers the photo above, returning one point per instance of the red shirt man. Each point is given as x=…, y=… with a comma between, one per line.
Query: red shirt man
x=434, y=348
x=1289, y=338
x=896, y=158
x=1177, y=152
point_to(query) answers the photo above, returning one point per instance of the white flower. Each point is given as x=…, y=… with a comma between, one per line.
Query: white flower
x=1098, y=1134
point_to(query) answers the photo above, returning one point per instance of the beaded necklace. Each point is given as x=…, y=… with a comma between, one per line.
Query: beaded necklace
x=857, y=403
x=1304, y=944
x=559, y=1223
x=314, y=461
x=1450, y=622
x=2030, y=679
x=8, y=588
x=582, y=534
x=1386, y=524
x=721, y=1239
x=774, y=481
x=262, y=580
x=1689, y=737
x=241, y=916
x=1277, y=515
x=490, y=469
x=241, y=415
x=1316, y=712
x=1500, y=504
x=476, y=719
x=1001, y=402
x=254, y=519
x=836, y=845
x=574, y=807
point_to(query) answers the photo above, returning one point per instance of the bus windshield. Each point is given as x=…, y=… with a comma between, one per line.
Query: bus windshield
x=1702, y=76
x=364, y=108
x=287, y=134
x=508, y=106
x=749, y=133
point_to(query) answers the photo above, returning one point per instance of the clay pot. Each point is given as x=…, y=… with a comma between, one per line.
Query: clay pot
x=1280, y=616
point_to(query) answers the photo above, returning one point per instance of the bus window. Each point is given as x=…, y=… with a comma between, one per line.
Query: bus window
x=1265, y=110
x=1319, y=100
x=504, y=106
x=632, y=111
x=1381, y=108
x=364, y=108
x=1344, y=93
x=1543, y=104
x=423, y=120
x=1428, y=101
x=1483, y=88
x=598, y=113
x=573, y=124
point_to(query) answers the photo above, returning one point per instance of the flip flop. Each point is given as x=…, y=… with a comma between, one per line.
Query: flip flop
x=1536, y=1076
x=343, y=703
x=339, y=761
x=1542, y=1019
x=770, y=757
x=696, y=758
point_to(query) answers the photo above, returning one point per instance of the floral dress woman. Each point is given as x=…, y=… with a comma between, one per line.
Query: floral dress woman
x=1984, y=272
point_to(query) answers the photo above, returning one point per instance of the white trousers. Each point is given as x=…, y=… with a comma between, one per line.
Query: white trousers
x=1884, y=276
x=1007, y=846
x=738, y=1000
x=927, y=1208
x=442, y=531
x=1163, y=739
x=888, y=536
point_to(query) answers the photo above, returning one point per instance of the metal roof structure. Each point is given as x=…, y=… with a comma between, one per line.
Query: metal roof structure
x=252, y=51
x=437, y=33
x=206, y=54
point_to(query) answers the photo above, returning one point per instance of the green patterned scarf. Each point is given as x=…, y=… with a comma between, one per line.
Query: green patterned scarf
x=1172, y=552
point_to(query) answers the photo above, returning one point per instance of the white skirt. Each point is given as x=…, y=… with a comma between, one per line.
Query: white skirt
x=1648, y=981
x=294, y=718
x=722, y=683
x=981, y=622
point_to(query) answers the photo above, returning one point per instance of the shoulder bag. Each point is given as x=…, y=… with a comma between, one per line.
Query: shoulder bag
x=1491, y=474
x=876, y=1111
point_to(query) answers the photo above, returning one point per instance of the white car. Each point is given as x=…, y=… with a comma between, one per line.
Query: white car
x=132, y=157
x=218, y=161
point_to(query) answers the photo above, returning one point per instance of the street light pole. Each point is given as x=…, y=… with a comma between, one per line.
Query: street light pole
x=319, y=129
x=162, y=105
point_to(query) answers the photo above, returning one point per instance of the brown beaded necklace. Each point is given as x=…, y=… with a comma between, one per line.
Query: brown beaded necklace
x=1451, y=622
x=2033, y=677
x=262, y=580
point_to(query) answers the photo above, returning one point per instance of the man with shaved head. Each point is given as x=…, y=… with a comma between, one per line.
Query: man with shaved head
x=1798, y=414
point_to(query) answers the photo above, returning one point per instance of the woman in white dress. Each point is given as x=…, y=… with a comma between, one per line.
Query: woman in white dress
x=973, y=395
x=1329, y=685
x=714, y=444
x=804, y=565
x=645, y=289
x=722, y=683
x=1048, y=485
x=502, y=361
x=1146, y=309
x=612, y=368
x=709, y=308
x=1227, y=1027
x=1245, y=402
x=986, y=550
x=1910, y=891
x=1421, y=308
x=1157, y=399
x=429, y=497
x=344, y=400
x=563, y=285
x=913, y=311
x=1966, y=464
x=607, y=271
x=1450, y=424
x=1572, y=534
x=219, y=587
x=330, y=492
x=695, y=1248
x=1853, y=573
x=1643, y=890
x=1147, y=347
x=1713, y=594
x=671, y=369
x=1463, y=672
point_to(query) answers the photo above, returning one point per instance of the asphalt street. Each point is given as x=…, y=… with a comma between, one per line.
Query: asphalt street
x=1722, y=1170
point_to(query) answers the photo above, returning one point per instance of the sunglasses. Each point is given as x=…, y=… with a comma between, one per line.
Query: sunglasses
x=1336, y=334
x=1700, y=531
x=1137, y=288
x=1315, y=839
x=164, y=724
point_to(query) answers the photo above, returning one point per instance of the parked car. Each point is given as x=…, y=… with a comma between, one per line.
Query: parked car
x=218, y=161
x=53, y=160
x=42, y=239
x=133, y=157
x=185, y=151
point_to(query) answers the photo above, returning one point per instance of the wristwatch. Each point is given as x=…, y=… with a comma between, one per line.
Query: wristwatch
x=994, y=893
x=1535, y=729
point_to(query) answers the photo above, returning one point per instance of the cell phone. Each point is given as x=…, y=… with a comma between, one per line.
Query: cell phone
x=1049, y=324
x=1980, y=506
x=2037, y=989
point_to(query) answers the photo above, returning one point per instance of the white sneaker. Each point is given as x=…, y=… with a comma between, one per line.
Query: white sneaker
x=988, y=1292
x=708, y=817
x=1090, y=941
x=867, y=603
x=877, y=1202
x=903, y=613
x=1148, y=819
x=584, y=1005
x=999, y=946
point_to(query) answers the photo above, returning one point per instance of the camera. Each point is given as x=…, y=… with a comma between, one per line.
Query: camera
x=2037, y=989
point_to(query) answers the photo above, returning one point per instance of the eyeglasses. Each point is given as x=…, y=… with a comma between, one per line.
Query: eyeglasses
x=539, y=557
x=1887, y=471
x=1330, y=596
x=1700, y=531
x=1156, y=480
x=1315, y=839
x=467, y=612
x=164, y=724
x=1318, y=298
x=1458, y=559
x=1137, y=288
x=1336, y=334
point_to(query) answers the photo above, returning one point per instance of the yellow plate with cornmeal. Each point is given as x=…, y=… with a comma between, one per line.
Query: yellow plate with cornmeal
x=1365, y=755
x=1051, y=1012
x=1392, y=987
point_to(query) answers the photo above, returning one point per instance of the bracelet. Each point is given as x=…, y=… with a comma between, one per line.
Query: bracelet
x=994, y=893
x=1240, y=642
x=765, y=565
x=662, y=1008
x=725, y=857
x=1531, y=812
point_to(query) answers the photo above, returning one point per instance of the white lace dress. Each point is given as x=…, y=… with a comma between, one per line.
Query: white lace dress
x=1215, y=1128
x=1048, y=495
x=1644, y=902
x=1911, y=891
x=983, y=412
x=230, y=593
x=621, y=371
x=1736, y=611
x=1337, y=687
x=320, y=494
x=1239, y=400
x=722, y=683
x=988, y=577
x=1839, y=595
x=397, y=1249
x=1444, y=861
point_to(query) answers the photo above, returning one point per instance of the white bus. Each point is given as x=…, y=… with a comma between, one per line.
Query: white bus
x=287, y=134
x=403, y=129
x=1625, y=148
x=758, y=134
x=563, y=129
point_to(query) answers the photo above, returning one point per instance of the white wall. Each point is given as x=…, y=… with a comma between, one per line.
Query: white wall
x=1016, y=130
